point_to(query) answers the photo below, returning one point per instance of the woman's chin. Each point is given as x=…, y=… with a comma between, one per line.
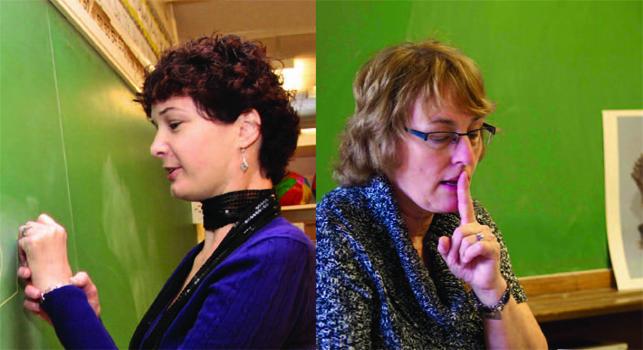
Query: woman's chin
x=183, y=195
x=190, y=196
x=445, y=207
x=451, y=207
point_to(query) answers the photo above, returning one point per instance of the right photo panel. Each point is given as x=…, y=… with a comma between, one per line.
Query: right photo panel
x=460, y=173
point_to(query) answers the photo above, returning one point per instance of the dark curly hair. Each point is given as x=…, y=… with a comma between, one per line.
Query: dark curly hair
x=227, y=76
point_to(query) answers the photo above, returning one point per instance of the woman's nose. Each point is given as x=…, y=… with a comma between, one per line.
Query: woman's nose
x=463, y=152
x=158, y=148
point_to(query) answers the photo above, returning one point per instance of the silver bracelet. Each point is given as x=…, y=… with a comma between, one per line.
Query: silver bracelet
x=493, y=312
x=51, y=289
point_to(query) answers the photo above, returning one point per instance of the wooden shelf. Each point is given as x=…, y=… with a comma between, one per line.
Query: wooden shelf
x=578, y=295
x=581, y=304
x=306, y=107
x=306, y=144
x=305, y=151
x=303, y=163
x=299, y=213
x=303, y=215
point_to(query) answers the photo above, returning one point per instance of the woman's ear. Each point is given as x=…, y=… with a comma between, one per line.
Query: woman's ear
x=250, y=128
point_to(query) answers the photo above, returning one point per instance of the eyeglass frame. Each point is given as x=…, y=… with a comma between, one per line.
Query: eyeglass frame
x=456, y=138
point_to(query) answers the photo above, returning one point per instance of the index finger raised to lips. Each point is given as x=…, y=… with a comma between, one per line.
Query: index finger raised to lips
x=465, y=203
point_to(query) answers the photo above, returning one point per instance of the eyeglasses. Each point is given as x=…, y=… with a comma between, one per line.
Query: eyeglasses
x=441, y=139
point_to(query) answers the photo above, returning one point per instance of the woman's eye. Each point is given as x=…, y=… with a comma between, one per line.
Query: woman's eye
x=174, y=125
x=440, y=137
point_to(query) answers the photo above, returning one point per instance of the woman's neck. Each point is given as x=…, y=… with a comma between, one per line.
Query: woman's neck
x=252, y=180
x=213, y=239
x=416, y=219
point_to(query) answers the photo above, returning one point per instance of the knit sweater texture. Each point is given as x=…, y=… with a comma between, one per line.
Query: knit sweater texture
x=374, y=290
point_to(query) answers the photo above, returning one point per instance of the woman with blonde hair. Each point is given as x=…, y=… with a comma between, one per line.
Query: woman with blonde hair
x=405, y=257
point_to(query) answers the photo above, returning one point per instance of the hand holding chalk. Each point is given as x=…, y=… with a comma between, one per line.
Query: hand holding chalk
x=44, y=245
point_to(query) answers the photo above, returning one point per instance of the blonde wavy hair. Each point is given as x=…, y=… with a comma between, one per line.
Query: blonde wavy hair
x=385, y=90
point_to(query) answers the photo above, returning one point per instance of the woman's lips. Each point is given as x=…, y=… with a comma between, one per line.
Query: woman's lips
x=451, y=185
x=172, y=173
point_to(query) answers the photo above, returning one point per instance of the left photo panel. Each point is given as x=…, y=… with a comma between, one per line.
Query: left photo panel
x=157, y=174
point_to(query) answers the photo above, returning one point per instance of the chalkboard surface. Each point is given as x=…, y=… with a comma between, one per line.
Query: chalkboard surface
x=74, y=145
x=551, y=67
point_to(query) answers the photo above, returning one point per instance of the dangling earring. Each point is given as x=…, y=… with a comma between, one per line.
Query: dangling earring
x=244, y=161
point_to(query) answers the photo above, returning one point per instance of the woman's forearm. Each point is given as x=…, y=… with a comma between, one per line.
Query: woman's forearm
x=75, y=321
x=516, y=328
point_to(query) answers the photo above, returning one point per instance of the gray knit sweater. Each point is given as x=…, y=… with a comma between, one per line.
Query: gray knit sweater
x=374, y=291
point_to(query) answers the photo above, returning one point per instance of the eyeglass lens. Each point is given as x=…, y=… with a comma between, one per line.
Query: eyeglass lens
x=476, y=137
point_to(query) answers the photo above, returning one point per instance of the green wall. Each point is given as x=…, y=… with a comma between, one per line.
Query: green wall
x=550, y=66
x=74, y=145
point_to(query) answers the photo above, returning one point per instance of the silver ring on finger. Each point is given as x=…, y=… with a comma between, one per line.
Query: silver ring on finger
x=479, y=236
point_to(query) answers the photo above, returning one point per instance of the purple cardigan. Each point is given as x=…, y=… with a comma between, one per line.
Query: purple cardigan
x=261, y=296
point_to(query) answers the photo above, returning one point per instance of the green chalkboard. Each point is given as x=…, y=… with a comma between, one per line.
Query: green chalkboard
x=551, y=67
x=74, y=145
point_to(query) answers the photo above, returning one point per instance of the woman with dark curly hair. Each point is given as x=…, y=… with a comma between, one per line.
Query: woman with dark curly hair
x=225, y=132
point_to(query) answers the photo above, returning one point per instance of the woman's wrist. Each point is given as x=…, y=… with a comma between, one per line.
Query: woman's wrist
x=493, y=311
x=51, y=284
x=45, y=292
x=491, y=295
x=48, y=278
